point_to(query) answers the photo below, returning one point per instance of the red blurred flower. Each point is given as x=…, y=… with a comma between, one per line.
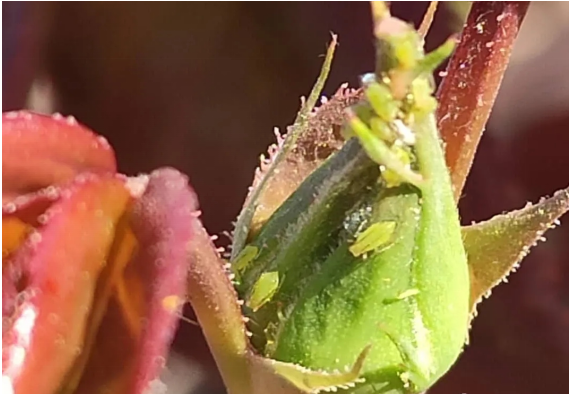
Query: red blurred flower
x=94, y=264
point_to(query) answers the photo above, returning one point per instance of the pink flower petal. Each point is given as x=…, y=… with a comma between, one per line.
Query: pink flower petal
x=162, y=222
x=140, y=322
x=55, y=273
x=39, y=151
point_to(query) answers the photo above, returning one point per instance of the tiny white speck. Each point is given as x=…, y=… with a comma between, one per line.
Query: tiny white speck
x=137, y=185
x=35, y=237
x=10, y=208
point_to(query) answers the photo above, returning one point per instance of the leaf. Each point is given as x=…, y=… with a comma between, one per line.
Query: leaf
x=40, y=150
x=495, y=247
x=55, y=273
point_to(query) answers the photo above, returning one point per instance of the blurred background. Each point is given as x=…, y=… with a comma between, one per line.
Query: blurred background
x=200, y=86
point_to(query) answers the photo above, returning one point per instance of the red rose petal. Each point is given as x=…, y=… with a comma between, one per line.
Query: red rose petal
x=141, y=319
x=39, y=151
x=56, y=272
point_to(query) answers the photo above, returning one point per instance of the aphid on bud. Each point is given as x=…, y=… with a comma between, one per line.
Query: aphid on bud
x=263, y=290
x=374, y=237
x=247, y=255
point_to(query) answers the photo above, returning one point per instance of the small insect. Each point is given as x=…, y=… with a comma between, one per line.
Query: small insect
x=242, y=261
x=372, y=238
x=263, y=290
x=403, y=296
x=380, y=151
x=408, y=293
x=247, y=255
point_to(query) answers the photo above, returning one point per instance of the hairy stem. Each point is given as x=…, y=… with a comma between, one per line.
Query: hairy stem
x=474, y=74
x=214, y=300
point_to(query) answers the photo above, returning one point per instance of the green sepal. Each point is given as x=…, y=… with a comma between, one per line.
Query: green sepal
x=496, y=247
x=313, y=381
x=244, y=220
x=434, y=59
x=303, y=231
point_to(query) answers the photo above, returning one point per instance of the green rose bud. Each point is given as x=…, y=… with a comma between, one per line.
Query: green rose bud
x=366, y=256
x=349, y=270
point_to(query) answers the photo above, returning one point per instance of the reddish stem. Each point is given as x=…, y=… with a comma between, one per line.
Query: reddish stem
x=467, y=94
x=215, y=303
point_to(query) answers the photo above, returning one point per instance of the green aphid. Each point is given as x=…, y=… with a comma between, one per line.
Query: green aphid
x=403, y=296
x=382, y=102
x=381, y=153
x=381, y=129
x=263, y=290
x=247, y=255
x=423, y=102
x=408, y=293
x=390, y=177
x=374, y=237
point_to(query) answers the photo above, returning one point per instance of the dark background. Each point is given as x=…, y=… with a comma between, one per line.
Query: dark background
x=200, y=86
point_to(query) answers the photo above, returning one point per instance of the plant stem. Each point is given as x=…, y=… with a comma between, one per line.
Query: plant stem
x=214, y=300
x=474, y=74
